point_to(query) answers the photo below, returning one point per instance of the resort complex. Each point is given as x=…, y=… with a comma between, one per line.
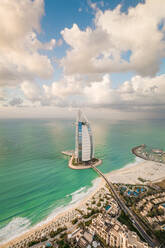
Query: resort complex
x=97, y=223
x=148, y=153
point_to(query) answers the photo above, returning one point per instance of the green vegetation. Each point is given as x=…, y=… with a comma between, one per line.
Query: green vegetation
x=78, y=210
x=93, y=211
x=87, y=223
x=129, y=200
x=81, y=225
x=33, y=242
x=74, y=162
x=100, y=240
x=63, y=243
x=124, y=219
x=63, y=235
x=95, y=160
x=44, y=239
x=160, y=236
x=74, y=221
x=155, y=212
x=55, y=233
x=141, y=179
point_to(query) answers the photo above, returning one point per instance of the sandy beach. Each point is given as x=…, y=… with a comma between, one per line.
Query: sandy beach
x=40, y=227
x=147, y=170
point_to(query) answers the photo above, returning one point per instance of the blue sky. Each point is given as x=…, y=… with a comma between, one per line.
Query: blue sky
x=62, y=14
x=99, y=55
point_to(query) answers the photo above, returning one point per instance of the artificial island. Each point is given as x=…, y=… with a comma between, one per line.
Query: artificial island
x=83, y=156
x=145, y=152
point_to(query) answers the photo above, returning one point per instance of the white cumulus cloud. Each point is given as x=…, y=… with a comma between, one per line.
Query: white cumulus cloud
x=137, y=94
x=119, y=42
x=20, y=58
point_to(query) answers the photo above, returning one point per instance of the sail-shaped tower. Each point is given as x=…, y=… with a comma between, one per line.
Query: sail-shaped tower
x=84, y=151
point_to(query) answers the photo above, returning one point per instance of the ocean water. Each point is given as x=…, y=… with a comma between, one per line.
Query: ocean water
x=35, y=181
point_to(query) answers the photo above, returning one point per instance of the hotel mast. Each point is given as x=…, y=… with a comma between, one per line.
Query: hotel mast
x=84, y=151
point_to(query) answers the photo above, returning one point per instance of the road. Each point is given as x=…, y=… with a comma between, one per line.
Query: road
x=126, y=210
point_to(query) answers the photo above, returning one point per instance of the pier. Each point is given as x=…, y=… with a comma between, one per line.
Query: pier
x=68, y=153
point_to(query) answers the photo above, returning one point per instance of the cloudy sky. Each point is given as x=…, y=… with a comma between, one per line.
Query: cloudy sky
x=107, y=57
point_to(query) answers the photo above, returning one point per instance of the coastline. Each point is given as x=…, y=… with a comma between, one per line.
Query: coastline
x=69, y=208
x=82, y=167
x=148, y=170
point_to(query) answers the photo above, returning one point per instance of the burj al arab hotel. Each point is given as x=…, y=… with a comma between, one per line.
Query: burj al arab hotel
x=84, y=151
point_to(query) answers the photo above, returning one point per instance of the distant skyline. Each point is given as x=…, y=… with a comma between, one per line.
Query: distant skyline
x=107, y=57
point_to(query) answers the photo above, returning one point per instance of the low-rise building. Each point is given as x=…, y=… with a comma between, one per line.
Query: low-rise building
x=114, y=233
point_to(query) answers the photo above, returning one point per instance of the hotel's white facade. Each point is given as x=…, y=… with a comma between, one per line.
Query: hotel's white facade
x=84, y=142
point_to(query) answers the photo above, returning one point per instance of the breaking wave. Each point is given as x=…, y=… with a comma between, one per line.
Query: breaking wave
x=20, y=225
x=14, y=228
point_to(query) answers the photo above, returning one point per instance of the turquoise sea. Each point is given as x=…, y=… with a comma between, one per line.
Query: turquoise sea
x=35, y=181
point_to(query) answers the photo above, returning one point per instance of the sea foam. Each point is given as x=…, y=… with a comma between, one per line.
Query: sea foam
x=15, y=227
x=20, y=225
x=76, y=196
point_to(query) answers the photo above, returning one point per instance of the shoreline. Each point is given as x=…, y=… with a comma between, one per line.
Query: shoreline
x=69, y=208
x=82, y=167
x=149, y=170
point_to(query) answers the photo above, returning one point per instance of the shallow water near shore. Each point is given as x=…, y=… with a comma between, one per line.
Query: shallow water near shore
x=35, y=181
